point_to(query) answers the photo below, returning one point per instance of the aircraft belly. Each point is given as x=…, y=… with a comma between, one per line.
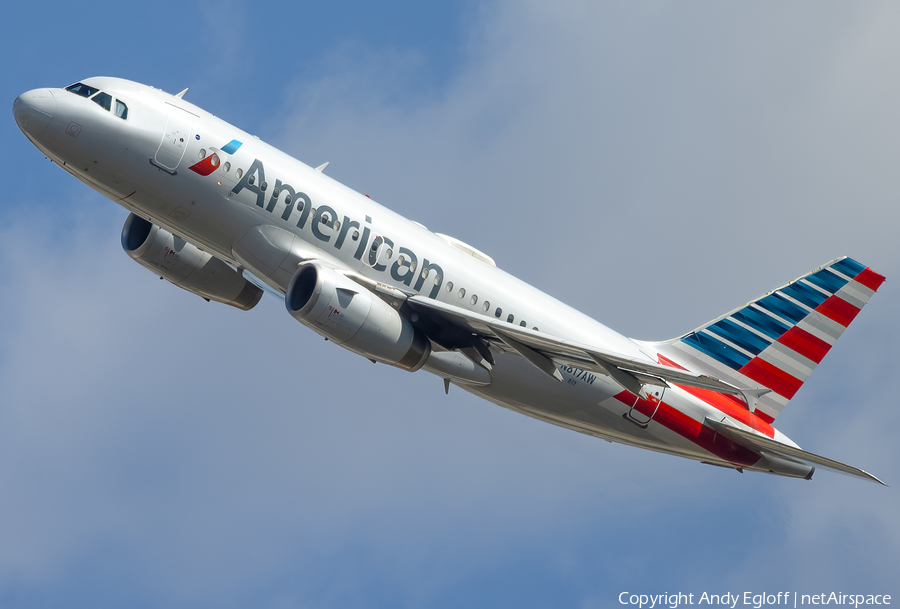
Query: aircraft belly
x=579, y=401
x=598, y=406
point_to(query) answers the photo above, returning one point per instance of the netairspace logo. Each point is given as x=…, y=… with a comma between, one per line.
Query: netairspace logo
x=752, y=599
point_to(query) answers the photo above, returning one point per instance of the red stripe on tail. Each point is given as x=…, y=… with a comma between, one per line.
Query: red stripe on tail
x=804, y=343
x=769, y=376
x=870, y=279
x=728, y=404
x=768, y=419
x=838, y=309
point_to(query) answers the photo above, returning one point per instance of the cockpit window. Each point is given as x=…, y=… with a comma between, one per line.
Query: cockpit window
x=82, y=89
x=121, y=110
x=104, y=100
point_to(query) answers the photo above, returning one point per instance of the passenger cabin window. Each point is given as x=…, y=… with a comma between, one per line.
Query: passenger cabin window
x=122, y=110
x=104, y=100
x=82, y=89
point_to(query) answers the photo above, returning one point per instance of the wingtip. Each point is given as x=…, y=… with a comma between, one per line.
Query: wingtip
x=878, y=480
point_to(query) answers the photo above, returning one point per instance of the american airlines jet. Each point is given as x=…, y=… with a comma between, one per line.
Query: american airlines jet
x=225, y=216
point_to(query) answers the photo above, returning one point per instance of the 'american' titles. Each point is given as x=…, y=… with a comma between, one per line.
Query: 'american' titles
x=298, y=204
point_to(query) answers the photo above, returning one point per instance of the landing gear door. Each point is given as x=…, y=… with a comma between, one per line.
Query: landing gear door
x=176, y=136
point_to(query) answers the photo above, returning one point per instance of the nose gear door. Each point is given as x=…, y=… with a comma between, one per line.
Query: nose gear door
x=179, y=125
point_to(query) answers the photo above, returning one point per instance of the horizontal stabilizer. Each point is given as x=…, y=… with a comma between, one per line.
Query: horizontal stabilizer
x=761, y=444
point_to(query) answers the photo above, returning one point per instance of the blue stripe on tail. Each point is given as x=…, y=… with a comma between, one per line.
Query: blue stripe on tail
x=740, y=336
x=717, y=350
x=811, y=297
x=782, y=307
x=827, y=280
x=762, y=322
x=849, y=267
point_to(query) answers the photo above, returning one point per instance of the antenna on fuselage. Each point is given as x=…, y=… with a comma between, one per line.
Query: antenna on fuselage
x=322, y=167
x=181, y=95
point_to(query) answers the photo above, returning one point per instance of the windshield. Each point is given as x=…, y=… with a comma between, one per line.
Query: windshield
x=82, y=89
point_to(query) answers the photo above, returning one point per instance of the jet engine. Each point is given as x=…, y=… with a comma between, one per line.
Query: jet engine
x=187, y=266
x=350, y=315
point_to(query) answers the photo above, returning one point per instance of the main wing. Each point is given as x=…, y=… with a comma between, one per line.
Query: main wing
x=546, y=351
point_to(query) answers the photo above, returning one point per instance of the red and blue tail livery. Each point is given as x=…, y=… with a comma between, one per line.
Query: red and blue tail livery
x=777, y=340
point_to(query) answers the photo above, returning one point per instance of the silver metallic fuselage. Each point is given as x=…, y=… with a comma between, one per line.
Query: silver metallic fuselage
x=116, y=157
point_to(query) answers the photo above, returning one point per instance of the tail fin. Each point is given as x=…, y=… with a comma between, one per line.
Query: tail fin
x=777, y=340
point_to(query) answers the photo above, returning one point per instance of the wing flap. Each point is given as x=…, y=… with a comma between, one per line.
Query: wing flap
x=628, y=372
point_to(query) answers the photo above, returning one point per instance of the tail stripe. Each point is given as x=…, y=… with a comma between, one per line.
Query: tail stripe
x=777, y=340
x=789, y=360
x=822, y=327
x=772, y=377
x=857, y=290
x=849, y=267
x=852, y=296
x=761, y=322
x=870, y=279
x=740, y=336
x=802, y=292
x=839, y=310
x=717, y=350
x=782, y=307
x=804, y=343
x=827, y=280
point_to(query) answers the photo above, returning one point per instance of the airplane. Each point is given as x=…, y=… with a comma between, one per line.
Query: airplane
x=225, y=216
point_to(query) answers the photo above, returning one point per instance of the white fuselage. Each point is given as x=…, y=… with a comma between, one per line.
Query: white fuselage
x=221, y=213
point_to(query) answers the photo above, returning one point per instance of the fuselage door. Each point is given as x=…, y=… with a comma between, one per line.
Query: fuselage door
x=176, y=136
x=645, y=407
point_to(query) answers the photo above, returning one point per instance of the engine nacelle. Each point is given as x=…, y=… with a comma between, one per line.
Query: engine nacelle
x=187, y=266
x=352, y=316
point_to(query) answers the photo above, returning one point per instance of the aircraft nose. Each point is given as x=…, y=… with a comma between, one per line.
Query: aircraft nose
x=33, y=110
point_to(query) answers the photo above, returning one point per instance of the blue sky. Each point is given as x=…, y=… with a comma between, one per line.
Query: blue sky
x=654, y=164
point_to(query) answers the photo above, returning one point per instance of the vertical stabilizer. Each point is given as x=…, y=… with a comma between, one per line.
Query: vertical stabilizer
x=777, y=340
